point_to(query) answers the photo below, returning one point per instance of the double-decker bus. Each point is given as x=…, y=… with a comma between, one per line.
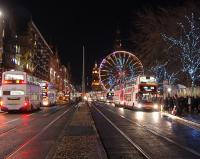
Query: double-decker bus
x=110, y=96
x=20, y=91
x=49, y=94
x=141, y=93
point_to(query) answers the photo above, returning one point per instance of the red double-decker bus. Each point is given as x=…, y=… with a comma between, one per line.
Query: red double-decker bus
x=141, y=93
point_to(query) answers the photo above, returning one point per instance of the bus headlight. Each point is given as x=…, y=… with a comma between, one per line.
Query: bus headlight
x=155, y=106
x=139, y=105
x=45, y=102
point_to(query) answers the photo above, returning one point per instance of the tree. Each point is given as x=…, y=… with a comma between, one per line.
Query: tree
x=161, y=74
x=147, y=40
x=188, y=44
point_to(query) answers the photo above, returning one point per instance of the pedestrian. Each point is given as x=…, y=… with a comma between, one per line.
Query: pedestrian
x=177, y=107
x=185, y=105
x=171, y=104
x=166, y=104
x=198, y=99
x=195, y=107
x=189, y=104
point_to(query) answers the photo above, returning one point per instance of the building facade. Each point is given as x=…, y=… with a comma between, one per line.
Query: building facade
x=24, y=48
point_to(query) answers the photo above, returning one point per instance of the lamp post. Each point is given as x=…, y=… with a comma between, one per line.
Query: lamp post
x=83, y=75
x=1, y=43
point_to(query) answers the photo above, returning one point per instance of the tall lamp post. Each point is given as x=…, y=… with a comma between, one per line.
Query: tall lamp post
x=83, y=75
x=1, y=43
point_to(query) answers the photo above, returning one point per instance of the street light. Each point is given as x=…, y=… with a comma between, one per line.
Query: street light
x=169, y=91
x=1, y=38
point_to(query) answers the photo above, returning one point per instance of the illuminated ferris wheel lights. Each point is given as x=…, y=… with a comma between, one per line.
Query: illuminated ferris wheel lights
x=119, y=67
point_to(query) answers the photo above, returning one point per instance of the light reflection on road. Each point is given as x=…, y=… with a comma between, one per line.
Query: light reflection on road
x=121, y=110
x=139, y=116
x=156, y=116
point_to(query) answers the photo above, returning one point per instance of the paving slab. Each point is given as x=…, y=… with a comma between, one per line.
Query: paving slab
x=80, y=138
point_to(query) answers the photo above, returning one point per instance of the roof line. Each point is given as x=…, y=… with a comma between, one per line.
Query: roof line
x=41, y=36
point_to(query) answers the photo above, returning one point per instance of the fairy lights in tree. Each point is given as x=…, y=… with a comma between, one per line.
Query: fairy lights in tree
x=188, y=44
x=161, y=74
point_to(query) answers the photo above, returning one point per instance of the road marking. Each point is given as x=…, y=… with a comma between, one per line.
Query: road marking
x=38, y=134
x=9, y=121
x=156, y=133
x=7, y=131
x=125, y=136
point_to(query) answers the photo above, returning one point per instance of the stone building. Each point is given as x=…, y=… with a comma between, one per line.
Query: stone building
x=23, y=47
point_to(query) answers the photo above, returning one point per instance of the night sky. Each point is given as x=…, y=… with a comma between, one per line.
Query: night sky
x=71, y=25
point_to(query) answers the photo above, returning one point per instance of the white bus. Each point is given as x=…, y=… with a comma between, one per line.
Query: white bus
x=20, y=92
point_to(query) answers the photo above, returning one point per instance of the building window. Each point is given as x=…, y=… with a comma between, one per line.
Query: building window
x=17, y=49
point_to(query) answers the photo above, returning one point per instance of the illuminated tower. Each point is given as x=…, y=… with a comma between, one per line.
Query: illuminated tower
x=96, y=86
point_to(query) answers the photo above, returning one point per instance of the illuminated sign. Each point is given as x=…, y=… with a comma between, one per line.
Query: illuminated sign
x=16, y=92
x=147, y=79
x=14, y=77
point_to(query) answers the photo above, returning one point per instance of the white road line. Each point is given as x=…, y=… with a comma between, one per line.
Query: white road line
x=34, y=113
x=38, y=134
x=124, y=135
x=9, y=121
x=156, y=133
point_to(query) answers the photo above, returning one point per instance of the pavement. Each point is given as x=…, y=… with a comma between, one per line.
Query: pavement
x=191, y=119
x=80, y=138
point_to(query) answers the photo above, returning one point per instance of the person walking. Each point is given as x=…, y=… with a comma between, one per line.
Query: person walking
x=189, y=104
x=176, y=108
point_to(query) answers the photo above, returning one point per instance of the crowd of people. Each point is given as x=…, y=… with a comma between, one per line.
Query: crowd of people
x=182, y=105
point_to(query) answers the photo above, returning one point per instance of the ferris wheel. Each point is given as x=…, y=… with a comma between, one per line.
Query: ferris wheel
x=119, y=67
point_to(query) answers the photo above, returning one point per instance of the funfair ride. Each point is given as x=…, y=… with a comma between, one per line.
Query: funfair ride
x=118, y=68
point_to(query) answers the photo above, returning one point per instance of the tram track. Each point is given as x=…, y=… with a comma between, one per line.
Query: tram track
x=8, y=130
x=144, y=154
x=158, y=134
x=4, y=132
x=155, y=133
x=34, y=137
x=27, y=129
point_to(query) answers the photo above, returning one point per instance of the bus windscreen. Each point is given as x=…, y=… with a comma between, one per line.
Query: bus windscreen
x=148, y=88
